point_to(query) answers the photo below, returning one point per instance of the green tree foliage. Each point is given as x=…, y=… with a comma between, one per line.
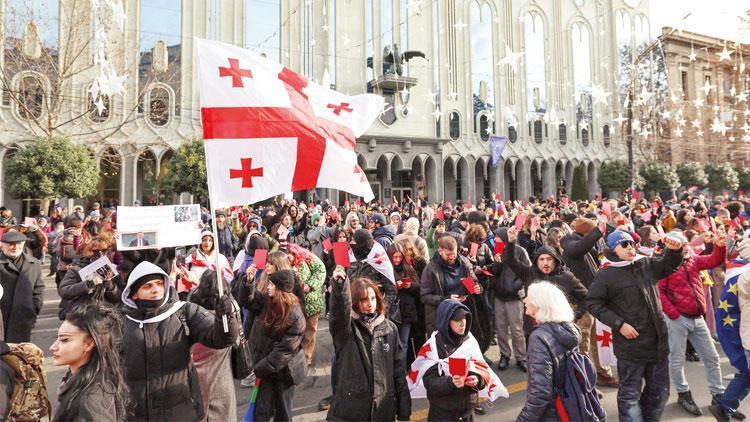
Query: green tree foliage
x=659, y=176
x=580, y=184
x=52, y=168
x=692, y=174
x=613, y=176
x=187, y=172
x=743, y=178
x=721, y=176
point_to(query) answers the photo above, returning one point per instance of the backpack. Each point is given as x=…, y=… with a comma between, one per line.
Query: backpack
x=29, y=401
x=576, y=398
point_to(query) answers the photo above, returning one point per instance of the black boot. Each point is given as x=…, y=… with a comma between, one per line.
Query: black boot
x=686, y=401
x=718, y=410
x=325, y=404
x=521, y=365
x=503, y=363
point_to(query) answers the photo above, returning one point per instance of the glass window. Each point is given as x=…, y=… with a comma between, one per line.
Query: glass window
x=484, y=127
x=94, y=115
x=624, y=51
x=562, y=133
x=30, y=98
x=331, y=32
x=160, y=46
x=158, y=112
x=581, y=72
x=386, y=28
x=455, y=125
x=369, y=43
x=482, y=65
x=642, y=32
x=585, y=136
x=512, y=134
x=605, y=135
x=262, y=27
x=109, y=178
x=536, y=97
x=538, y=131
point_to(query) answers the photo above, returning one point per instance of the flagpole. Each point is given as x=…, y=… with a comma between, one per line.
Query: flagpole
x=214, y=228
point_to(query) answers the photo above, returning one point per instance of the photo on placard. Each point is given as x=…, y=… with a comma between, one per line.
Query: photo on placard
x=137, y=240
x=186, y=213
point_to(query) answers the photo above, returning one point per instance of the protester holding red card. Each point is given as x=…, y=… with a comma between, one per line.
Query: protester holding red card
x=452, y=394
x=407, y=282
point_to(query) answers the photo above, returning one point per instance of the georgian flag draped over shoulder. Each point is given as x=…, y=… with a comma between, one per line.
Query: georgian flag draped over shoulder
x=469, y=349
x=605, y=345
x=268, y=130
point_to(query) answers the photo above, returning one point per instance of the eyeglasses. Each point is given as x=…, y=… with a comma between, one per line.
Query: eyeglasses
x=627, y=244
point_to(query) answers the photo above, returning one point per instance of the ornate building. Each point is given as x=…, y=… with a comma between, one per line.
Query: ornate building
x=709, y=87
x=547, y=74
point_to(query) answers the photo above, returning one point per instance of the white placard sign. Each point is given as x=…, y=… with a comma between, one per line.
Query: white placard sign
x=158, y=226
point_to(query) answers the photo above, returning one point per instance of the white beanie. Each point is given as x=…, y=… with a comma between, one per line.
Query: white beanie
x=412, y=225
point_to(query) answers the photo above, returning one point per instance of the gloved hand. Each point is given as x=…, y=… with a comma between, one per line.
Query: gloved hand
x=223, y=305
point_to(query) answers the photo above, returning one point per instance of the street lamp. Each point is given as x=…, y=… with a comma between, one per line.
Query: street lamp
x=631, y=97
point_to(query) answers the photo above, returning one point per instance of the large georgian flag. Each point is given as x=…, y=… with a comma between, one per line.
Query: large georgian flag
x=268, y=130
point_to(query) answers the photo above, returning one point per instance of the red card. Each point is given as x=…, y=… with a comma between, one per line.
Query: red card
x=327, y=245
x=474, y=249
x=606, y=209
x=534, y=223
x=469, y=284
x=259, y=259
x=484, y=271
x=499, y=246
x=498, y=198
x=401, y=283
x=520, y=219
x=565, y=200
x=458, y=366
x=439, y=214
x=637, y=196
x=341, y=254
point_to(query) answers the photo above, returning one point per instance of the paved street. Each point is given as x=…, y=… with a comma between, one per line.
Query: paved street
x=317, y=384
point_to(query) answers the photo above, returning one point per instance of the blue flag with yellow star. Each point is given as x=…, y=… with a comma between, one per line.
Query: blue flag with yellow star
x=728, y=316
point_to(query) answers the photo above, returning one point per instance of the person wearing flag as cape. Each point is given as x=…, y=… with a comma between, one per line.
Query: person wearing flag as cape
x=371, y=261
x=733, y=329
x=453, y=396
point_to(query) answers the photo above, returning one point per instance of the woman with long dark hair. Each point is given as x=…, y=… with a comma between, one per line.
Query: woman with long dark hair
x=279, y=361
x=94, y=388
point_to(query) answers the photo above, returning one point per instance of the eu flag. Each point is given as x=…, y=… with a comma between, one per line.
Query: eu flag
x=728, y=316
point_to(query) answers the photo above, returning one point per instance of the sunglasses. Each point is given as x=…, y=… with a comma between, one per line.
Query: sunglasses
x=627, y=244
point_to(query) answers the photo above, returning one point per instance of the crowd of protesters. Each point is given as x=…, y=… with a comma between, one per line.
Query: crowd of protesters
x=154, y=340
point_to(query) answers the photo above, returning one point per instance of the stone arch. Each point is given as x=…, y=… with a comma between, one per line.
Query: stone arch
x=110, y=183
x=432, y=176
x=509, y=179
x=592, y=173
x=147, y=171
x=463, y=184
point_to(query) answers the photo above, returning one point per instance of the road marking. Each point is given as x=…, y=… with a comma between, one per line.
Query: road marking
x=421, y=415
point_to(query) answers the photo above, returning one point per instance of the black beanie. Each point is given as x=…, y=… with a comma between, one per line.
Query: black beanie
x=363, y=243
x=143, y=280
x=283, y=280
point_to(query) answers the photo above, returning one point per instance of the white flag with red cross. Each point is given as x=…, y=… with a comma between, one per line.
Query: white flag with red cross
x=605, y=345
x=268, y=130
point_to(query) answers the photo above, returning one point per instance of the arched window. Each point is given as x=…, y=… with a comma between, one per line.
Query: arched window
x=484, y=127
x=585, y=136
x=581, y=47
x=605, y=135
x=623, y=31
x=562, y=133
x=536, y=87
x=98, y=108
x=110, y=165
x=158, y=113
x=512, y=134
x=30, y=98
x=482, y=63
x=160, y=48
x=642, y=32
x=455, y=125
x=263, y=27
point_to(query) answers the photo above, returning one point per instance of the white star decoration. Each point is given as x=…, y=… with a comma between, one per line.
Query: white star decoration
x=707, y=87
x=717, y=126
x=725, y=54
x=645, y=95
x=742, y=96
x=99, y=104
x=645, y=132
x=511, y=58
x=620, y=120
x=699, y=133
x=692, y=55
x=599, y=95
x=678, y=133
x=666, y=114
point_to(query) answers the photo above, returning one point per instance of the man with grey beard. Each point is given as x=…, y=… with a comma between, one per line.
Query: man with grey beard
x=21, y=281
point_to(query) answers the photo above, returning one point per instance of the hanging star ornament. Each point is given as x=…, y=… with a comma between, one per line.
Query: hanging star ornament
x=681, y=122
x=99, y=104
x=645, y=132
x=725, y=54
x=717, y=126
x=699, y=133
x=678, y=132
x=666, y=114
x=707, y=87
x=599, y=95
x=742, y=96
x=645, y=95
x=620, y=120
x=692, y=55
x=511, y=58
x=698, y=102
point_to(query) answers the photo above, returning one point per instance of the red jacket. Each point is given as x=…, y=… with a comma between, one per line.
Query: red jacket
x=682, y=292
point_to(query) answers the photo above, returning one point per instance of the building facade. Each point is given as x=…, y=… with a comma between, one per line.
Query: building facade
x=710, y=99
x=547, y=74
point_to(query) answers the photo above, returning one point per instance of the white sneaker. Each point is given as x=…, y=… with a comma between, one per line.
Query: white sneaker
x=249, y=381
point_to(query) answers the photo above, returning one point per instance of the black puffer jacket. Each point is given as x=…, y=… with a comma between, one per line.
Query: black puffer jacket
x=548, y=344
x=630, y=294
x=448, y=403
x=407, y=298
x=371, y=382
x=560, y=276
x=159, y=370
x=508, y=286
x=579, y=253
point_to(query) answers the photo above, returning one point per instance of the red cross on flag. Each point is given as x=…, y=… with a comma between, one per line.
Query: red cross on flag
x=268, y=130
x=604, y=344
